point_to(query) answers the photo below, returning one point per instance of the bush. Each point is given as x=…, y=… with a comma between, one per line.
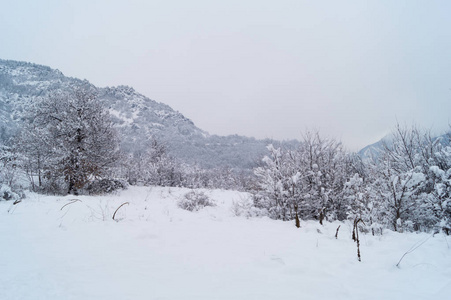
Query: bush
x=105, y=186
x=7, y=194
x=195, y=200
x=245, y=207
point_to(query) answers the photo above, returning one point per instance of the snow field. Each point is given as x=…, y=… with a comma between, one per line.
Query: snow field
x=158, y=251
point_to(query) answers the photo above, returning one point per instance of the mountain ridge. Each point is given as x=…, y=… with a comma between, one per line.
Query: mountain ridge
x=136, y=117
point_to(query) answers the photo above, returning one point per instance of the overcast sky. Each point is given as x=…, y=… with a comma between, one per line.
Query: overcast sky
x=273, y=69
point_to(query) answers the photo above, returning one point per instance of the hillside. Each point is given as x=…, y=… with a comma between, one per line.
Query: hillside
x=136, y=117
x=58, y=248
x=374, y=150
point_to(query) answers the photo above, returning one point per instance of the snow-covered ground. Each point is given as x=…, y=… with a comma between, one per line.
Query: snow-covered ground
x=158, y=251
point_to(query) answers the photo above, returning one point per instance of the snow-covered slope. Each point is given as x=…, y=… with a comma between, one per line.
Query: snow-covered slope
x=51, y=249
x=136, y=116
x=374, y=150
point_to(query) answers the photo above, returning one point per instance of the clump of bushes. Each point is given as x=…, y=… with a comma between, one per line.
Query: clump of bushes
x=195, y=200
x=105, y=186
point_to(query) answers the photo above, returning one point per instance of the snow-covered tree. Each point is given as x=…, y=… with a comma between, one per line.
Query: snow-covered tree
x=411, y=170
x=152, y=165
x=363, y=204
x=272, y=195
x=68, y=138
x=9, y=165
x=307, y=182
x=435, y=198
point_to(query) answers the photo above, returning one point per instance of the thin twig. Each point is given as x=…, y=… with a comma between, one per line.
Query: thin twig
x=118, y=209
x=413, y=248
x=73, y=201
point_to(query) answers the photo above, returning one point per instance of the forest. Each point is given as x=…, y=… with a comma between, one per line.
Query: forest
x=68, y=144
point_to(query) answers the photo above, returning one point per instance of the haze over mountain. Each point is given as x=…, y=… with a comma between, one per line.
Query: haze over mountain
x=135, y=116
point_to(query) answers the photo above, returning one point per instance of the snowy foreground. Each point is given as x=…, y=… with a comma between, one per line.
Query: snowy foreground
x=156, y=250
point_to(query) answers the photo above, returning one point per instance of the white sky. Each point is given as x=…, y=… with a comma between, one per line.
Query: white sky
x=257, y=68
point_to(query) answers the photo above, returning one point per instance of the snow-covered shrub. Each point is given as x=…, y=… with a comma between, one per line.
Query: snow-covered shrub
x=105, y=186
x=7, y=194
x=242, y=206
x=245, y=207
x=195, y=200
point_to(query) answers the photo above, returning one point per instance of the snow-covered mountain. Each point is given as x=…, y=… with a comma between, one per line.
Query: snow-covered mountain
x=374, y=150
x=137, y=117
